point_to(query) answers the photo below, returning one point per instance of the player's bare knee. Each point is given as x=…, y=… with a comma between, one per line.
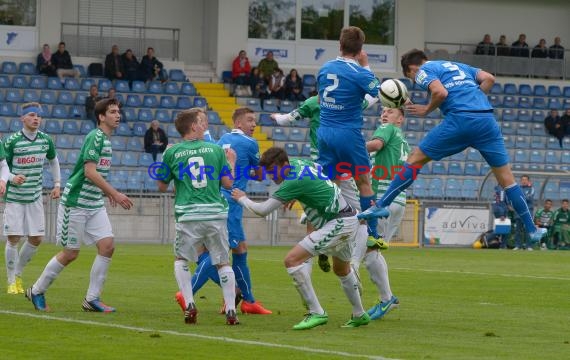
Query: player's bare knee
x=14, y=239
x=106, y=247
x=67, y=256
x=341, y=268
x=35, y=240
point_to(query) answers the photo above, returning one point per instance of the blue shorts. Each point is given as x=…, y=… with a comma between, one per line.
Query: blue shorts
x=458, y=131
x=342, y=151
x=235, y=225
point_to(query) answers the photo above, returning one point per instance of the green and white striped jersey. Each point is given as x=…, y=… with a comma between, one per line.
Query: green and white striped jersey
x=79, y=191
x=26, y=157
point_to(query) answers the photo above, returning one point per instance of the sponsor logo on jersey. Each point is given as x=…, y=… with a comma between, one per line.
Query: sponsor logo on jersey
x=28, y=160
x=105, y=162
x=421, y=77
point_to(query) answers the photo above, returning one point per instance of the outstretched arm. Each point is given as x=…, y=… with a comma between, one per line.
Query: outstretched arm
x=260, y=209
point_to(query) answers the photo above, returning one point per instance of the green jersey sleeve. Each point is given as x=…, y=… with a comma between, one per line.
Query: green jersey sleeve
x=92, y=148
x=168, y=166
x=51, y=153
x=309, y=107
x=289, y=190
x=384, y=133
x=2, y=151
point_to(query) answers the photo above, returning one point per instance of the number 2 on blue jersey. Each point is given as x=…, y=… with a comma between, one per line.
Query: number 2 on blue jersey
x=453, y=67
x=330, y=88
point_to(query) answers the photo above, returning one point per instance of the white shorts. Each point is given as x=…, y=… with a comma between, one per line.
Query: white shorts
x=350, y=193
x=390, y=225
x=75, y=225
x=24, y=219
x=192, y=235
x=333, y=238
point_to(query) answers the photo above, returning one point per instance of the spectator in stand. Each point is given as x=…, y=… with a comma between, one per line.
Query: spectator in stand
x=241, y=69
x=543, y=219
x=130, y=66
x=155, y=140
x=553, y=125
x=44, y=64
x=267, y=66
x=556, y=51
x=258, y=84
x=294, y=86
x=520, y=232
x=540, y=50
x=150, y=68
x=520, y=48
x=277, y=84
x=114, y=65
x=485, y=47
x=561, y=226
x=90, y=102
x=503, y=49
x=565, y=122
x=62, y=62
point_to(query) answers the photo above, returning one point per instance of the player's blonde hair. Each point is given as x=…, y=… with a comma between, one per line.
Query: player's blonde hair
x=239, y=112
x=186, y=118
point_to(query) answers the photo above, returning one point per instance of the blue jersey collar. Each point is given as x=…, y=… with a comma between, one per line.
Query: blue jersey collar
x=352, y=61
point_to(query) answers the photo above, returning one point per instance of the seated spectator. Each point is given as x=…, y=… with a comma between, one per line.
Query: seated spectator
x=130, y=66
x=561, y=226
x=241, y=69
x=543, y=219
x=553, y=126
x=62, y=62
x=114, y=65
x=44, y=64
x=520, y=48
x=258, y=84
x=150, y=68
x=485, y=47
x=556, y=51
x=90, y=103
x=540, y=50
x=267, y=66
x=277, y=84
x=503, y=49
x=565, y=122
x=155, y=140
x=294, y=86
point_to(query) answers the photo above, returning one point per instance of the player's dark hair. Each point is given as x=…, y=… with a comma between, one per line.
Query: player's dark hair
x=351, y=40
x=564, y=200
x=412, y=57
x=547, y=200
x=239, y=112
x=102, y=106
x=273, y=156
x=186, y=118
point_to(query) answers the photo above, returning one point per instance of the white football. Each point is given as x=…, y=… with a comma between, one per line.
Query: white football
x=393, y=93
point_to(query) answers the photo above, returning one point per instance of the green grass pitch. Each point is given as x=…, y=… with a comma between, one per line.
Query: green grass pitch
x=455, y=304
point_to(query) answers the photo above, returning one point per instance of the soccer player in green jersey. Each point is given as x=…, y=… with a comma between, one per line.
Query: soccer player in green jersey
x=26, y=152
x=543, y=219
x=201, y=211
x=82, y=216
x=4, y=170
x=335, y=226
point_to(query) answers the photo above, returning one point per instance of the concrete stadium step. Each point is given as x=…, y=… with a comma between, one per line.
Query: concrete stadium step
x=219, y=100
x=205, y=85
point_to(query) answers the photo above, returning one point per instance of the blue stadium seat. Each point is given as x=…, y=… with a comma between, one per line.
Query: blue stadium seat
x=59, y=112
x=495, y=101
x=485, y=168
x=86, y=127
x=37, y=82
x=145, y=115
x=460, y=156
x=171, y=131
x=469, y=189
x=552, y=143
x=254, y=104
x=537, y=130
x=521, y=156
x=123, y=130
x=72, y=84
x=214, y=118
x=509, y=115
x=509, y=142
x=15, y=124
x=177, y=75
x=52, y=127
x=265, y=120
x=86, y=84
x=150, y=101
x=278, y=134
x=222, y=131
x=54, y=83
x=420, y=188
x=145, y=160
x=133, y=100
x=270, y=106
x=418, y=97
x=296, y=134
x=135, y=144
x=71, y=127
x=4, y=125
x=65, y=98
x=538, y=116
x=162, y=115
x=173, y=115
x=172, y=88
x=435, y=189
x=525, y=90
x=496, y=89
x=554, y=90
x=27, y=68
x=7, y=110
x=139, y=129
x=539, y=103
x=104, y=85
x=510, y=89
x=523, y=129
x=540, y=90
x=200, y=102
x=122, y=86
x=286, y=106
x=537, y=142
x=184, y=102
x=565, y=157
x=306, y=150
x=14, y=95
x=413, y=124
x=524, y=103
x=62, y=155
x=167, y=102
x=80, y=98
x=5, y=81
x=554, y=103
x=292, y=149
x=525, y=115
x=429, y=124
x=309, y=80
x=19, y=81
x=452, y=188
x=438, y=168
x=64, y=142
x=552, y=157
x=130, y=159
x=139, y=86
x=455, y=168
x=411, y=138
x=566, y=104
x=81, y=69
x=537, y=156
x=188, y=89
x=155, y=87
x=31, y=95
x=135, y=181
x=9, y=67
x=507, y=128
x=471, y=169
x=426, y=169
x=118, y=143
x=77, y=111
x=509, y=101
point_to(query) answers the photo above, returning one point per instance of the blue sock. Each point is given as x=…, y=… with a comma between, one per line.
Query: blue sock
x=400, y=182
x=204, y=271
x=243, y=279
x=372, y=223
x=518, y=201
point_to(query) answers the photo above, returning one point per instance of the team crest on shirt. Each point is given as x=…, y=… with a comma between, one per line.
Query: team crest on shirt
x=421, y=76
x=45, y=148
x=374, y=83
x=91, y=152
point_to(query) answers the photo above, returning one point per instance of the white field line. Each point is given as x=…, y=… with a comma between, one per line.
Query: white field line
x=199, y=336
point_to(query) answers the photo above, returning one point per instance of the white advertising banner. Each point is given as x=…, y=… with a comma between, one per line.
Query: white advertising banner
x=18, y=38
x=454, y=226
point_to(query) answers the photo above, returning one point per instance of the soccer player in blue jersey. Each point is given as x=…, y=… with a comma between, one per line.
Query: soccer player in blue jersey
x=459, y=92
x=342, y=86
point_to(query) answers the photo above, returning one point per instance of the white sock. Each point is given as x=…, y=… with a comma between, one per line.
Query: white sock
x=228, y=284
x=308, y=267
x=350, y=286
x=27, y=252
x=304, y=286
x=184, y=280
x=98, y=275
x=50, y=273
x=378, y=270
x=11, y=255
x=359, y=246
